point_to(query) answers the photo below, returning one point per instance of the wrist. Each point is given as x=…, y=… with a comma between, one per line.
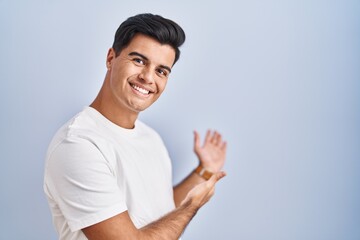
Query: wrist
x=203, y=172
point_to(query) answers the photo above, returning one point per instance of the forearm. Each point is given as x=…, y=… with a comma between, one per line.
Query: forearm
x=182, y=189
x=173, y=224
x=170, y=226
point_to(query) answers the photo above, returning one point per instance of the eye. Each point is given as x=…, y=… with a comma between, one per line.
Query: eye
x=139, y=61
x=162, y=72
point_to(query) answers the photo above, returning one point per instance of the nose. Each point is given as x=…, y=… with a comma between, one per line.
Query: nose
x=146, y=75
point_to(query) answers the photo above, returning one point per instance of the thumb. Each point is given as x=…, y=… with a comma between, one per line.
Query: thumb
x=216, y=177
x=196, y=140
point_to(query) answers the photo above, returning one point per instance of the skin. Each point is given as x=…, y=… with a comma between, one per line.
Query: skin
x=211, y=156
x=146, y=64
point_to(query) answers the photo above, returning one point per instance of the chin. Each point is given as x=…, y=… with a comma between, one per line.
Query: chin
x=139, y=109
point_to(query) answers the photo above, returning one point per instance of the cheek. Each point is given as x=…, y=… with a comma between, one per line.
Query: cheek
x=115, y=81
x=120, y=77
x=161, y=85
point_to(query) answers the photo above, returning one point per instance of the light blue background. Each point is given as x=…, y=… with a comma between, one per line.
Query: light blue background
x=280, y=80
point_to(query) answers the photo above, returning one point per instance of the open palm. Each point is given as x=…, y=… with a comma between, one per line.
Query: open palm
x=212, y=153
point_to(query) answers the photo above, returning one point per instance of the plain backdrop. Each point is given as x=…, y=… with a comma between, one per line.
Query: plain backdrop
x=280, y=79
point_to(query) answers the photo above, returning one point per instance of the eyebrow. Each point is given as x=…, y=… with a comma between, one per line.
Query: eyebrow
x=145, y=58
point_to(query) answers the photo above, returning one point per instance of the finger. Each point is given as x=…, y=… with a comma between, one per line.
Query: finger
x=207, y=137
x=214, y=138
x=196, y=140
x=216, y=177
x=211, y=192
x=218, y=139
x=223, y=146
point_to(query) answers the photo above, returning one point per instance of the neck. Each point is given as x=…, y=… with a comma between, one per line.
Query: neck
x=107, y=106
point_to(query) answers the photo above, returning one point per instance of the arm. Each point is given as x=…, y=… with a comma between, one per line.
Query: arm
x=169, y=227
x=211, y=157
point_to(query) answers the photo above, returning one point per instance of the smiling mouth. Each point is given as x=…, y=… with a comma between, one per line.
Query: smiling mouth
x=139, y=89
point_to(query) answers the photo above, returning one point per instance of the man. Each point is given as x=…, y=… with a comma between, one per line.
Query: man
x=107, y=174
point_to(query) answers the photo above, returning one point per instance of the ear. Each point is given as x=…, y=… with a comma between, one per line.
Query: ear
x=110, y=57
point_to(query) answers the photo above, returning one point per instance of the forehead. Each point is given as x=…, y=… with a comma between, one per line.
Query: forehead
x=162, y=54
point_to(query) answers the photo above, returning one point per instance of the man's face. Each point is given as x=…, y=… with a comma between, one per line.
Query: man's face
x=138, y=76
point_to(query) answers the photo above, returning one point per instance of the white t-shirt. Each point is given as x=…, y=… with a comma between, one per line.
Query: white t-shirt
x=95, y=170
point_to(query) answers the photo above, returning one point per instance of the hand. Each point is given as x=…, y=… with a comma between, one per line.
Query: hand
x=213, y=152
x=202, y=192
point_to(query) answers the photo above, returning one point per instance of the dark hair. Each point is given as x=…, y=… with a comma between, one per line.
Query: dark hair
x=163, y=30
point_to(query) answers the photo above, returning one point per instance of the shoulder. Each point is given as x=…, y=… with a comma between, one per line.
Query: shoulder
x=82, y=126
x=82, y=137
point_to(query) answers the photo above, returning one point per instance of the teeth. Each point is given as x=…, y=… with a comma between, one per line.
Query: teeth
x=143, y=91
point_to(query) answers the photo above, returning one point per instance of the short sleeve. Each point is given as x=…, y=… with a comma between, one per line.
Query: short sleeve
x=82, y=181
